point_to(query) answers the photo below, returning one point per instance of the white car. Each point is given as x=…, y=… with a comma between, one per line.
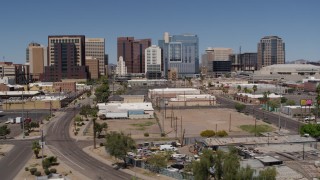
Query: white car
x=176, y=156
x=171, y=169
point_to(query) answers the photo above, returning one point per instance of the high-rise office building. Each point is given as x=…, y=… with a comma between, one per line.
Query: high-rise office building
x=95, y=47
x=180, y=52
x=214, y=54
x=121, y=69
x=153, y=62
x=132, y=52
x=36, y=58
x=244, y=62
x=66, y=58
x=93, y=67
x=271, y=50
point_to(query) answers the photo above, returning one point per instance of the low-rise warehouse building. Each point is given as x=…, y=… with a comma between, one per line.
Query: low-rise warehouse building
x=192, y=100
x=254, y=98
x=147, y=82
x=171, y=92
x=297, y=111
x=126, y=110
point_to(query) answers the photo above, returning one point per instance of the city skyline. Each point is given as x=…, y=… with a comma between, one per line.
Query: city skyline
x=229, y=24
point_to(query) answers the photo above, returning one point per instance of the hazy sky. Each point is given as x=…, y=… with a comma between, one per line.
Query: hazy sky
x=227, y=23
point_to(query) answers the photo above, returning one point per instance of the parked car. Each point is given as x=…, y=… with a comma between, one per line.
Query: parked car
x=167, y=147
x=177, y=166
x=171, y=169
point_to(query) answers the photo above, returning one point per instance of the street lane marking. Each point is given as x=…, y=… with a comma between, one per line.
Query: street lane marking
x=55, y=149
x=16, y=157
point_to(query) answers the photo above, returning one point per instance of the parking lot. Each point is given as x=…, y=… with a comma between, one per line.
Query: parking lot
x=35, y=115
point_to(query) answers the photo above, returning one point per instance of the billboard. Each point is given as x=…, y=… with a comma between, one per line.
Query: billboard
x=305, y=102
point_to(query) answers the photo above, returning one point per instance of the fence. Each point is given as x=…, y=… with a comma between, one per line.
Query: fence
x=163, y=171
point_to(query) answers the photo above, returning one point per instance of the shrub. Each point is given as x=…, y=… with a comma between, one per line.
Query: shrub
x=239, y=107
x=222, y=133
x=163, y=134
x=37, y=173
x=146, y=134
x=46, y=171
x=33, y=170
x=207, y=133
x=53, y=170
x=82, y=123
x=101, y=144
x=76, y=133
x=26, y=134
x=78, y=129
x=46, y=163
x=26, y=169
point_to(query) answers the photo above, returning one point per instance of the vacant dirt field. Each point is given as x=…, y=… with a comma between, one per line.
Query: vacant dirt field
x=193, y=121
x=196, y=120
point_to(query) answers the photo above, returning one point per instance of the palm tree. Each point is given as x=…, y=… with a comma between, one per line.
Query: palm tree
x=245, y=90
x=239, y=88
x=254, y=88
x=266, y=98
x=36, y=148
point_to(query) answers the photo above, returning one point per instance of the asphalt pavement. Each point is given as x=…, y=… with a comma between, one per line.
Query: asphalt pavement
x=269, y=117
x=67, y=150
x=16, y=159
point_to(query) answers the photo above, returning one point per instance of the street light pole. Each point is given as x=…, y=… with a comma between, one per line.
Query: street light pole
x=22, y=116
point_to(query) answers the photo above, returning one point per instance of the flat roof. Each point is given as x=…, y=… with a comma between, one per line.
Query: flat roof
x=147, y=106
x=174, y=89
x=15, y=93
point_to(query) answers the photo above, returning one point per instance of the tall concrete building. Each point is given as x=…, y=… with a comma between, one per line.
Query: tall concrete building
x=66, y=58
x=36, y=58
x=95, y=47
x=132, y=52
x=180, y=52
x=271, y=50
x=153, y=62
x=214, y=54
x=93, y=67
x=121, y=69
x=244, y=62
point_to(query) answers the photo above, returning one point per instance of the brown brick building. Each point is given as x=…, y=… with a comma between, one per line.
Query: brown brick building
x=64, y=86
x=93, y=67
x=133, y=52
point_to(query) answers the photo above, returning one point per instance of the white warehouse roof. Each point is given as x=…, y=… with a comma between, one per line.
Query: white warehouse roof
x=119, y=107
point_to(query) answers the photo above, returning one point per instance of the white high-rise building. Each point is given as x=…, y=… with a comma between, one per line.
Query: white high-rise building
x=121, y=69
x=153, y=59
x=95, y=47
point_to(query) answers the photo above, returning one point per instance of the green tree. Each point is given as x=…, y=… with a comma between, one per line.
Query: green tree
x=218, y=161
x=290, y=102
x=239, y=88
x=274, y=104
x=102, y=93
x=36, y=148
x=201, y=168
x=207, y=133
x=231, y=164
x=254, y=88
x=245, y=90
x=245, y=173
x=158, y=161
x=222, y=133
x=119, y=144
x=4, y=130
x=270, y=173
x=100, y=127
x=239, y=107
x=34, y=125
x=283, y=100
x=317, y=100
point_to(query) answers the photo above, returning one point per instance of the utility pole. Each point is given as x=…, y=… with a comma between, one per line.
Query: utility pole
x=230, y=123
x=303, y=151
x=22, y=116
x=42, y=144
x=94, y=133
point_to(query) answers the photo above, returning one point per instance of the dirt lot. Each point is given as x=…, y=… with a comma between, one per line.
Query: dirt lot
x=196, y=120
x=193, y=121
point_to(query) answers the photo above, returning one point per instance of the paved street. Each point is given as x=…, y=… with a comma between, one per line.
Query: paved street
x=16, y=159
x=286, y=123
x=67, y=150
